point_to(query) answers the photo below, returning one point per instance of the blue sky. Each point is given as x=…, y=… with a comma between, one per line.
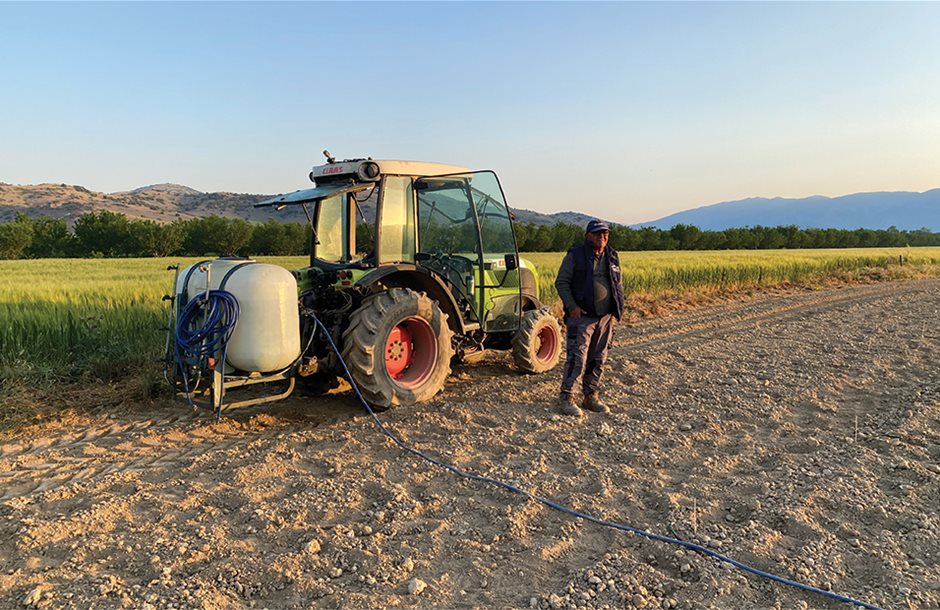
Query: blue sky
x=629, y=111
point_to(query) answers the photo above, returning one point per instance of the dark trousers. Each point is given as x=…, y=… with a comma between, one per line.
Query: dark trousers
x=587, y=342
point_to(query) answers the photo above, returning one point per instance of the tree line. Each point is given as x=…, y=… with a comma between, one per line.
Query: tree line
x=560, y=237
x=112, y=234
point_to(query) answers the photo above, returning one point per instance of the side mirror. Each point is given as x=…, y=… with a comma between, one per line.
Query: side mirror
x=512, y=261
x=422, y=257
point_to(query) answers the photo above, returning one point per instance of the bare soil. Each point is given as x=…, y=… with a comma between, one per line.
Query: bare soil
x=797, y=433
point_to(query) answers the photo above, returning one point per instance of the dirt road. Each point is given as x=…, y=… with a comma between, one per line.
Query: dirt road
x=799, y=433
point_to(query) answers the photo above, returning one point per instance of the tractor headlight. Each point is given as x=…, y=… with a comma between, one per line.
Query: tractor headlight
x=369, y=171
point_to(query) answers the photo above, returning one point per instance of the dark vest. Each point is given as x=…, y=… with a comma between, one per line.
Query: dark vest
x=582, y=284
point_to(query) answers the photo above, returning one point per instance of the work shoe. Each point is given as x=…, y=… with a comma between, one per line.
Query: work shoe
x=567, y=406
x=591, y=403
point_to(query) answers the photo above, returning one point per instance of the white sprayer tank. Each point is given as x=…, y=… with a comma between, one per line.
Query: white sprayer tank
x=267, y=335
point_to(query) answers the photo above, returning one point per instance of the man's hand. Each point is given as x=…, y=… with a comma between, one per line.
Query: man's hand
x=576, y=312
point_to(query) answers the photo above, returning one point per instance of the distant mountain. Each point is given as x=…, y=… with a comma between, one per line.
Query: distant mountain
x=538, y=218
x=161, y=202
x=168, y=202
x=904, y=210
x=166, y=187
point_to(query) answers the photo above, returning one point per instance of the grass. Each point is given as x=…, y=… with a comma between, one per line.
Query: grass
x=73, y=318
x=660, y=276
x=68, y=319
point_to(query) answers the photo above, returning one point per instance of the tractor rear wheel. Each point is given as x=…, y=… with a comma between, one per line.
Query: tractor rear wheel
x=536, y=346
x=398, y=347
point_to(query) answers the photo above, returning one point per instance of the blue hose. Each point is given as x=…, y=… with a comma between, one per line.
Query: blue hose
x=203, y=330
x=575, y=513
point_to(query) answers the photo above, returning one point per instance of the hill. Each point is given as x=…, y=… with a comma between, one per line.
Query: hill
x=904, y=210
x=539, y=218
x=160, y=202
x=168, y=202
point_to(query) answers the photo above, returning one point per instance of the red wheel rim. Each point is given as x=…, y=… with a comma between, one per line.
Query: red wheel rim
x=410, y=352
x=547, y=344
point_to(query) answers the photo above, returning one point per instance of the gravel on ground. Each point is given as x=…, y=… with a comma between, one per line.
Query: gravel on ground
x=794, y=432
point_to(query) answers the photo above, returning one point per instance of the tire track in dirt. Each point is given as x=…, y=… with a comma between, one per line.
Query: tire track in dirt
x=135, y=447
x=93, y=435
x=718, y=322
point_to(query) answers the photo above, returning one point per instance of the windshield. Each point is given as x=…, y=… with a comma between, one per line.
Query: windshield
x=495, y=225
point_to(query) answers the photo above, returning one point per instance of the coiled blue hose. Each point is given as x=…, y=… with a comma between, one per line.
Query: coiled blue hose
x=203, y=330
x=575, y=513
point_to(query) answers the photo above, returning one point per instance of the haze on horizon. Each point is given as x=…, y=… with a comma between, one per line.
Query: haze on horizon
x=628, y=111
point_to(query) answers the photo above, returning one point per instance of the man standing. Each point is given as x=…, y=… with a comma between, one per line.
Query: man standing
x=590, y=287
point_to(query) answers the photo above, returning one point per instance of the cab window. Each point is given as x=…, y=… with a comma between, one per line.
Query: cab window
x=397, y=221
x=331, y=227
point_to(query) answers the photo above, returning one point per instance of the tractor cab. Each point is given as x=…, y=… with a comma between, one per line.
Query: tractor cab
x=443, y=228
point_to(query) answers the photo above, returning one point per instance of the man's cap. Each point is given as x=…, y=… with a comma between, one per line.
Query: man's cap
x=596, y=226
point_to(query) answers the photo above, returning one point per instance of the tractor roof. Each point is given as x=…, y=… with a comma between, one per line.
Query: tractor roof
x=369, y=170
x=418, y=168
x=356, y=175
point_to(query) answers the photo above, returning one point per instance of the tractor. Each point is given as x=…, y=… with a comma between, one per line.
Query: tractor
x=441, y=282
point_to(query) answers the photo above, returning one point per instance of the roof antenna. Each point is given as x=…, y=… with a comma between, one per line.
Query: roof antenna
x=329, y=158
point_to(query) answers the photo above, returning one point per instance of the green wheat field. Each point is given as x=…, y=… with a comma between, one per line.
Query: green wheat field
x=100, y=318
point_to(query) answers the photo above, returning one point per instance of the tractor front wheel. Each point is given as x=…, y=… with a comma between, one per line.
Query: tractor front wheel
x=398, y=348
x=536, y=346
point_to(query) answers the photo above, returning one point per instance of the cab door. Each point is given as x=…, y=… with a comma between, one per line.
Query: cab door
x=500, y=290
x=465, y=234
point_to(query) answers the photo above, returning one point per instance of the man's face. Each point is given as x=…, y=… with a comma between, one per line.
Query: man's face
x=598, y=240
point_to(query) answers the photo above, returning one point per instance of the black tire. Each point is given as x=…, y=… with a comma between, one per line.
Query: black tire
x=426, y=354
x=536, y=346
